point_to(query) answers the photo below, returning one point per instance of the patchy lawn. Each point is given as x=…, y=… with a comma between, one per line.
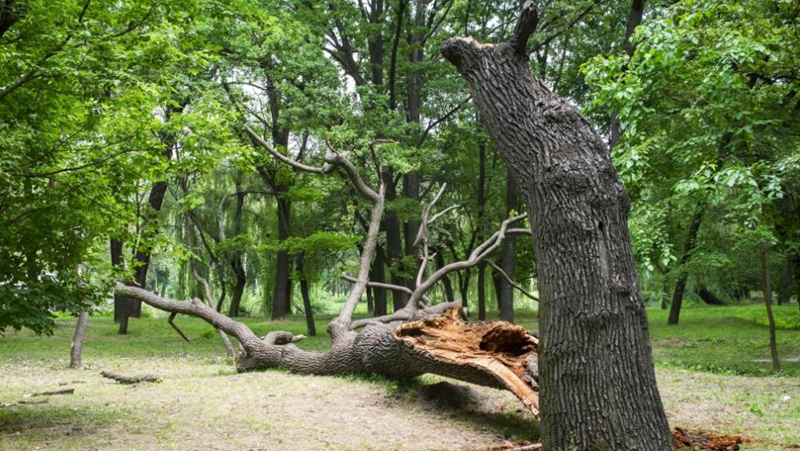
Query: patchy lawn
x=204, y=405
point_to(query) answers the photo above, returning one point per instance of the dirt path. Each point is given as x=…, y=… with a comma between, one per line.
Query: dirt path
x=202, y=406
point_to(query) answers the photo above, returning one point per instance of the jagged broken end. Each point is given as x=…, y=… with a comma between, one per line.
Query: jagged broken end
x=501, y=350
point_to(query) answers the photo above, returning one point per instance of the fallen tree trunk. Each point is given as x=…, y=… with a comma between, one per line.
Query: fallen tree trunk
x=495, y=354
x=129, y=380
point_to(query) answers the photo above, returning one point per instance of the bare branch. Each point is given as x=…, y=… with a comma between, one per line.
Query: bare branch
x=511, y=281
x=210, y=302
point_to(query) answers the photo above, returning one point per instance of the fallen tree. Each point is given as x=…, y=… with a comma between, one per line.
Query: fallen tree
x=420, y=338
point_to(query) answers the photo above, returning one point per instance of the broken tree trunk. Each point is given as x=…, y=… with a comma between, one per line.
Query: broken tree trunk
x=598, y=385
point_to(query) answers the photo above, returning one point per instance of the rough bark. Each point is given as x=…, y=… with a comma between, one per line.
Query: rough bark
x=77, y=341
x=766, y=286
x=597, y=379
x=680, y=284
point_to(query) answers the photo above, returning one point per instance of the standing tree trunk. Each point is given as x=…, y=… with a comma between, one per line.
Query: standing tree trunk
x=282, y=293
x=785, y=289
x=508, y=258
x=312, y=329
x=680, y=284
x=125, y=308
x=481, y=198
x=449, y=296
x=597, y=382
x=379, y=275
x=77, y=341
x=236, y=260
x=766, y=286
x=394, y=243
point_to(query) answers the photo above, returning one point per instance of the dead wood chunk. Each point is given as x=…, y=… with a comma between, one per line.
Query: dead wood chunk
x=696, y=439
x=128, y=380
x=63, y=391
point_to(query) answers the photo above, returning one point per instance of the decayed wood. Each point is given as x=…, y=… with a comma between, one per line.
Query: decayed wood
x=127, y=380
x=499, y=348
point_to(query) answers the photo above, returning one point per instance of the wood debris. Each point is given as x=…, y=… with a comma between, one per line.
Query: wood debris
x=695, y=439
x=128, y=380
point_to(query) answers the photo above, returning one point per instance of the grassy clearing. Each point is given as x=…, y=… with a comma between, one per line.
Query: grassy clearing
x=204, y=404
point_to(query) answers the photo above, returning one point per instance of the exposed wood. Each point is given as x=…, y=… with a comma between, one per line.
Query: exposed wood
x=128, y=380
x=499, y=348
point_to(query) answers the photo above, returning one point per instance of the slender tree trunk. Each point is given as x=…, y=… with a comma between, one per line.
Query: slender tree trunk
x=597, y=381
x=508, y=258
x=312, y=328
x=481, y=198
x=634, y=19
x=665, y=295
x=765, y=284
x=77, y=341
x=281, y=298
x=482, y=292
x=394, y=243
x=446, y=283
x=708, y=297
x=680, y=284
x=785, y=289
x=236, y=261
x=379, y=275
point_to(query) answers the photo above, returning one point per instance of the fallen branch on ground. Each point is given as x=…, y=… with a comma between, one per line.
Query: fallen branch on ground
x=23, y=401
x=62, y=391
x=127, y=380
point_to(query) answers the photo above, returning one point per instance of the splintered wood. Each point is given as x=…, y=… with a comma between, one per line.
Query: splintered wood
x=506, y=351
x=694, y=439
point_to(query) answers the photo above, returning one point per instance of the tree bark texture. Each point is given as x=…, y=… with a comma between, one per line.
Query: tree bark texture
x=598, y=386
x=394, y=243
x=304, y=291
x=680, y=284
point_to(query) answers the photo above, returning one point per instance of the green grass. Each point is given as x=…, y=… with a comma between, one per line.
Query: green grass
x=727, y=339
x=700, y=365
